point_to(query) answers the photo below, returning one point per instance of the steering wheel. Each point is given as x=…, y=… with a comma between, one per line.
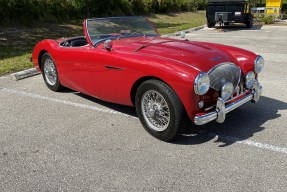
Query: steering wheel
x=136, y=32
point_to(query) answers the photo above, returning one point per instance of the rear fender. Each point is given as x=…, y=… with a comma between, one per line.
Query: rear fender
x=47, y=45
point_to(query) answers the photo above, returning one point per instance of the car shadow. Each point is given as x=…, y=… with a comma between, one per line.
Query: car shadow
x=120, y=108
x=238, y=27
x=240, y=124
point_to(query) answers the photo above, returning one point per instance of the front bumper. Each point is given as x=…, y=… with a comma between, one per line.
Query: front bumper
x=222, y=109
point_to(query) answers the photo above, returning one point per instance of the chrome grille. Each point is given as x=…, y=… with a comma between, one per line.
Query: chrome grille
x=222, y=73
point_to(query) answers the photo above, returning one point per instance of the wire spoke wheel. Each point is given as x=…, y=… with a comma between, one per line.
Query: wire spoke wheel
x=155, y=110
x=159, y=109
x=50, y=72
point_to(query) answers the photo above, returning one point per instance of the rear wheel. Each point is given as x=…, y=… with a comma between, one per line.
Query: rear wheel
x=160, y=110
x=210, y=25
x=50, y=74
x=249, y=23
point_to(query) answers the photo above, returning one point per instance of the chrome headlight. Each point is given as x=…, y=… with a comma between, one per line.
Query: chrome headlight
x=201, y=83
x=227, y=90
x=249, y=79
x=258, y=64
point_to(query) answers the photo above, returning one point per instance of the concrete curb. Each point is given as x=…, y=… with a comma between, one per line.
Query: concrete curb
x=24, y=74
x=189, y=30
x=198, y=28
x=185, y=31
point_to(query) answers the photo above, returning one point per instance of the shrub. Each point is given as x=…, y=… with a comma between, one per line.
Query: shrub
x=25, y=11
x=138, y=6
x=269, y=19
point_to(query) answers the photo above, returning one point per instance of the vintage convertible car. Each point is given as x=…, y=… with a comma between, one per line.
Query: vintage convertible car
x=124, y=60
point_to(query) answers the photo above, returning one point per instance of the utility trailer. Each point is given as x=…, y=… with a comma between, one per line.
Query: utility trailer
x=225, y=12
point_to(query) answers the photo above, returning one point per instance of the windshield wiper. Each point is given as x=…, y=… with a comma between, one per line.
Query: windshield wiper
x=141, y=47
x=150, y=44
x=119, y=37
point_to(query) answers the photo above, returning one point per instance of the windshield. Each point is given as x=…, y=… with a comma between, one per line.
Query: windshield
x=100, y=29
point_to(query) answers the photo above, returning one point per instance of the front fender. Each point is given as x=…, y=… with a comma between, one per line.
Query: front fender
x=179, y=76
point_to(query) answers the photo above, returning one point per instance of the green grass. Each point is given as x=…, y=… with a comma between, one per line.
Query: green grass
x=17, y=42
x=170, y=23
x=16, y=63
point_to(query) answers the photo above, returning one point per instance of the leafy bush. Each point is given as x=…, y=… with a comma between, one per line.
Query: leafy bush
x=269, y=19
x=25, y=11
x=138, y=6
x=153, y=6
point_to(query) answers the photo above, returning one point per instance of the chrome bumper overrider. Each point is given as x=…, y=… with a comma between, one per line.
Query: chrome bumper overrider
x=222, y=109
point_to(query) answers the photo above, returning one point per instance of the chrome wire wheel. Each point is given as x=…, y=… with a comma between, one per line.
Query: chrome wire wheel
x=50, y=72
x=159, y=109
x=155, y=110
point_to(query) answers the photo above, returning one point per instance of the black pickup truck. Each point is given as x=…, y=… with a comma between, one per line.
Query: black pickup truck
x=225, y=12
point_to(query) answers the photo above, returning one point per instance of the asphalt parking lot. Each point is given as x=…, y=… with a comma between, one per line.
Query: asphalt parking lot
x=71, y=142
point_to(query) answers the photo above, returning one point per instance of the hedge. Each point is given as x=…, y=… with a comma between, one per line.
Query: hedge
x=50, y=10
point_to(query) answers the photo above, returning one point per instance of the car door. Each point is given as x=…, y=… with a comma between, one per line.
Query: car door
x=110, y=76
x=73, y=69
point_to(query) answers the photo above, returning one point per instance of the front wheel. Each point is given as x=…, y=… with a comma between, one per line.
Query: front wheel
x=160, y=110
x=50, y=74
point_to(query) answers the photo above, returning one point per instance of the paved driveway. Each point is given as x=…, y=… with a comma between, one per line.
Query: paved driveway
x=70, y=142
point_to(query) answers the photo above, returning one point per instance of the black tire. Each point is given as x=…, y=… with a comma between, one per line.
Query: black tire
x=172, y=104
x=210, y=25
x=249, y=23
x=52, y=83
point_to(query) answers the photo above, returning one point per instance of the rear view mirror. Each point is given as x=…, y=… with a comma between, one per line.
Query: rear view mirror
x=108, y=44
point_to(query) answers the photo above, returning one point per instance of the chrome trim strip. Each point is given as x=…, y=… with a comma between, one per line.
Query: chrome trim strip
x=222, y=110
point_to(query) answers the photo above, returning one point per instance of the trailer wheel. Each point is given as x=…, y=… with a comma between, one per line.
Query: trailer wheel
x=210, y=25
x=249, y=23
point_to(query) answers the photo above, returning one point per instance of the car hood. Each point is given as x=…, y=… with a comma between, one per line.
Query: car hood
x=195, y=54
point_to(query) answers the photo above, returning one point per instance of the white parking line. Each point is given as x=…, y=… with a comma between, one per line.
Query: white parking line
x=227, y=138
x=32, y=95
x=4, y=77
x=251, y=143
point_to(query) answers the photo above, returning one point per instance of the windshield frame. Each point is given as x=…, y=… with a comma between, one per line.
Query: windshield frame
x=96, y=43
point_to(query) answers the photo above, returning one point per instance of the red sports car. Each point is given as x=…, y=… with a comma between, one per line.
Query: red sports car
x=124, y=60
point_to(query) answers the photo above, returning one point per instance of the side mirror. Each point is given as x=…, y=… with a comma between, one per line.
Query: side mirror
x=108, y=44
x=182, y=34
